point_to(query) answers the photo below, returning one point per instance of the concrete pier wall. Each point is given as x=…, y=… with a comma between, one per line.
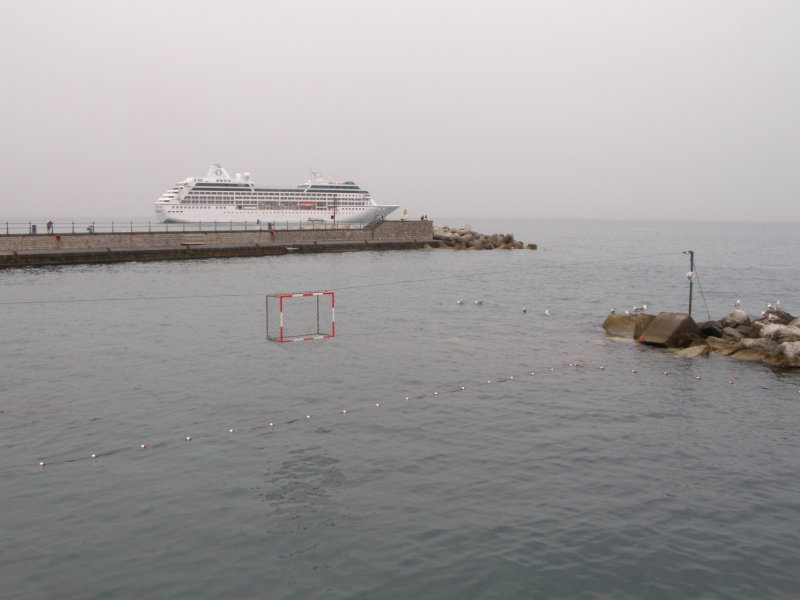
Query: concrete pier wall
x=386, y=231
x=47, y=249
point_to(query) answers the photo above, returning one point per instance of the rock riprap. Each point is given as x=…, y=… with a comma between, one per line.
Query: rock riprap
x=774, y=339
x=464, y=238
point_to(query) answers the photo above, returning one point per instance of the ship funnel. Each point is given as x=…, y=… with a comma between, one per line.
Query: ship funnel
x=217, y=173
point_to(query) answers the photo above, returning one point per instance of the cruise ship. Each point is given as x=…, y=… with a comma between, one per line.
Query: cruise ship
x=218, y=197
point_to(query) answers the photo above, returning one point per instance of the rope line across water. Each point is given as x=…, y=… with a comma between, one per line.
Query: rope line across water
x=272, y=425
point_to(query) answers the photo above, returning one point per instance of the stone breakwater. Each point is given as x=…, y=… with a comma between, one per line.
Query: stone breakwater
x=464, y=238
x=773, y=339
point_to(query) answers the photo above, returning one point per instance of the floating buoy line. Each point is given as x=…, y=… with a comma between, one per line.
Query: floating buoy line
x=274, y=425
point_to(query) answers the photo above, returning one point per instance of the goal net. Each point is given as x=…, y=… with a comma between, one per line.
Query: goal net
x=300, y=317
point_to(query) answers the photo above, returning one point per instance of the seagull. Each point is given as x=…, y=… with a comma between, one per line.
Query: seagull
x=546, y=312
x=478, y=301
x=524, y=310
x=770, y=306
x=738, y=303
x=613, y=311
x=459, y=302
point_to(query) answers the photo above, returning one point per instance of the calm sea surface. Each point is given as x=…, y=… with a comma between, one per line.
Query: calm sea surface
x=575, y=482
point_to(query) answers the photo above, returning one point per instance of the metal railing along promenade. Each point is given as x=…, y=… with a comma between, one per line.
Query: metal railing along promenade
x=69, y=227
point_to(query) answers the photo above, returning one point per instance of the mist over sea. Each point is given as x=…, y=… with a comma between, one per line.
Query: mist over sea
x=676, y=481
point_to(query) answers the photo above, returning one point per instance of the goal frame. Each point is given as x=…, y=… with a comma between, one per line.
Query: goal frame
x=279, y=335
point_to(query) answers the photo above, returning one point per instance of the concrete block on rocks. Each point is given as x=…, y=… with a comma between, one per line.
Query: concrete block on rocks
x=615, y=324
x=642, y=320
x=670, y=330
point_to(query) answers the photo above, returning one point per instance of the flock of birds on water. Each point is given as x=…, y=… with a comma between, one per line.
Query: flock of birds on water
x=636, y=309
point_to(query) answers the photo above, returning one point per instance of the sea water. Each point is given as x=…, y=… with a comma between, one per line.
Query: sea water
x=614, y=471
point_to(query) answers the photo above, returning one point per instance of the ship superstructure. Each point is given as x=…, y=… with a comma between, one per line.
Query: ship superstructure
x=218, y=197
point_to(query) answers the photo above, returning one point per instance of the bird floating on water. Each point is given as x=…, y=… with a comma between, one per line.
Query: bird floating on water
x=478, y=301
x=459, y=302
x=524, y=310
x=546, y=312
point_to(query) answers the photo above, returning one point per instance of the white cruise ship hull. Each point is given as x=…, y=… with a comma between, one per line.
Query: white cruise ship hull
x=176, y=213
x=218, y=197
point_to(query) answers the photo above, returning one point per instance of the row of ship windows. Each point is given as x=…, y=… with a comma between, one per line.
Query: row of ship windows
x=340, y=203
x=273, y=207
x=178, y=210
x=205, y=193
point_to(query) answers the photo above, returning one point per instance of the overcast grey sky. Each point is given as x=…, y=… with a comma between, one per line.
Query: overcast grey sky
x=637, y=109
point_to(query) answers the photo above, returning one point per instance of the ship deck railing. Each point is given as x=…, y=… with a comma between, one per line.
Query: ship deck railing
x=64, y=227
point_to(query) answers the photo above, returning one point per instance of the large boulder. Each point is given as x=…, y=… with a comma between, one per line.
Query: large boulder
x=712, y=328
x=671, y=330
x=721, y=346
x=732, y=333
x=780, y=333
x=776, y=315
x=735, y=319
x=760, y=350
x=757, y=329
x=694, y=351
x=788, y=354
